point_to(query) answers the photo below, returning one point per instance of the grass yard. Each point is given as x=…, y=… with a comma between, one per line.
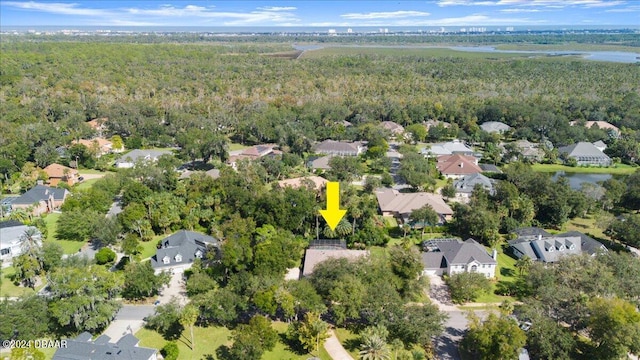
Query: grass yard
x=349, y=340
x=209, y=339
x=149, y=247
x=8, y=288
x=619, y=169
x=235, y=146
x=69, y=247
x=85, y=185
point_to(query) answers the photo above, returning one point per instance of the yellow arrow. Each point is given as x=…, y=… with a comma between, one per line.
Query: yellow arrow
x=333, y=214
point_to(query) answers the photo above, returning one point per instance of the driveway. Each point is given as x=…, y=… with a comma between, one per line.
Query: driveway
x=335, y=349
x=129, y=319
x=454, y=328
x=176, y=288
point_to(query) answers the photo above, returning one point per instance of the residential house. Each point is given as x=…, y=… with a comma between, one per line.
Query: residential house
x=252, y=153
x=585, y=154
x=178, y=251
x=466, y=184
x=433, y=123
x=319, y=163
x=393, y=128
x=40, y=199
x=99, y=125
x=600, y=145
x=130, y=159
x=314, y=182
x=99, y=146
x=613, y=130
x=527, y=150
x=454, y=256
x=59, y=173
x=340, y=148
x=495, y=127
x=84, y=348
x=11, y=233
x=400, y=205
x=314, y=256
x=213, y=173
x=457, y=166
x=448, y=148
x=539, y=245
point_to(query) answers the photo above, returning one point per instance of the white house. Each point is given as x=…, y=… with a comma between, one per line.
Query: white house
x=130, y=159
x=11, y=233
x=454, y=256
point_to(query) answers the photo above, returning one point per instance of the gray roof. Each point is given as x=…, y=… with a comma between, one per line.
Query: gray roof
x=589, y=245
x=82, y=348
x=40, y=193
x=456, y=252
x=319, y=162
x=449, y=148
x=339, y=147
x=495, y=127
x=185, y=243
x=547, y=249
x=583, y=150
x=600, y=144
x=467, y=183
x=138, y=154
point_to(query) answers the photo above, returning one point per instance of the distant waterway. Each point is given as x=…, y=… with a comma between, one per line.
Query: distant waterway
x=577, y=179
x=607, y=56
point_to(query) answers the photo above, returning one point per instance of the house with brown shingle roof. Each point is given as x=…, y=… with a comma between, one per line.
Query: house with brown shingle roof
x=252, y=153
x=99, y=124
x=400, y=205
x=59, y=173
x=392, y=127
x=99, y=145
x=457, y=166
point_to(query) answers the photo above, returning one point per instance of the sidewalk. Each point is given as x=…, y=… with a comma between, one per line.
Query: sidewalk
x=335, y=349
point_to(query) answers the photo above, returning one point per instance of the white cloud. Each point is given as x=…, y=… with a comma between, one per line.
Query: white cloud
x=518, y=11
x=632, y=8
x=471, y=20
x=278, y=8
x=384, y=15
x=57, y=8
x=529, y=3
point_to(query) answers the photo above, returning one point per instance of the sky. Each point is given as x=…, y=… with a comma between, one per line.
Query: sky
x=330, y=14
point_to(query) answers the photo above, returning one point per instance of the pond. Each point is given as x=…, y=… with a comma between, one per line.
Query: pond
x=576, y=179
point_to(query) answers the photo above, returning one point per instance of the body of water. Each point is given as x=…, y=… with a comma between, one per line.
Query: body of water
x=577, y=179
x=611, y=56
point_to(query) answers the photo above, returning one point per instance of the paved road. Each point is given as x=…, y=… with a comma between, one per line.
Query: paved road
x=129, y=319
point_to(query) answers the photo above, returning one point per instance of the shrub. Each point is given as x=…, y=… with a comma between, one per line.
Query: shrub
x=170, y=351
x=105, y=256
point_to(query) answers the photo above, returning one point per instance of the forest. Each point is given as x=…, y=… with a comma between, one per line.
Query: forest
x=200, y=98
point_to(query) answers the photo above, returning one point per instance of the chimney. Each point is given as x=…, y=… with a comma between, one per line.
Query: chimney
x=494, y=255
x=461, y=165
x=539, y=236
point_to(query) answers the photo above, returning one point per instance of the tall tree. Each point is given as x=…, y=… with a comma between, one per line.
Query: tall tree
x=188, y=318
x=497, y=338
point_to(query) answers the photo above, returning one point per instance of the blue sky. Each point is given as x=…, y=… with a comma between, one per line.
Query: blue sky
x=518, y=13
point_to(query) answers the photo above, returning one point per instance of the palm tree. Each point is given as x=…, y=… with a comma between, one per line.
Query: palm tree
x=523, y=264
x=374, y=348
x=30, y=242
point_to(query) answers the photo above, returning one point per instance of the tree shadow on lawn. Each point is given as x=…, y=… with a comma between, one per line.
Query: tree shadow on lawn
x=352, y=344
x=507, y=272
x=222, y=353
x=292, y=345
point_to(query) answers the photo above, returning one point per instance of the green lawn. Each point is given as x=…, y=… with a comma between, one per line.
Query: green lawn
x=235, y=146
x=619, y=169
x=8, y=288
x=85, y=185
x=93, y=171
x=69, y=247
x=149, y=247
x=209, y=339
x=349, y=340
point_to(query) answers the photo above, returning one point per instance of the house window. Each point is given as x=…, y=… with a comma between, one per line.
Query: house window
x=474, y=268
x=165, y=260
x=5, y=251
x=178, y=258
x=199, y=254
